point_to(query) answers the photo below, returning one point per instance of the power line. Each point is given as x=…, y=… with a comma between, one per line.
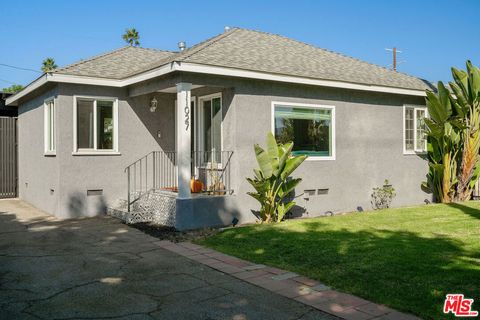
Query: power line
x=7, y=81
x=19, y=68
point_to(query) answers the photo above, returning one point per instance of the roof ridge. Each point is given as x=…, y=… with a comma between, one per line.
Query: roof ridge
x=205, y=44
x=331, y=51
x=181, y=56
x=156, y=49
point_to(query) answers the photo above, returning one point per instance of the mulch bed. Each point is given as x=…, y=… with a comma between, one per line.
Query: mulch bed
x=170, y=233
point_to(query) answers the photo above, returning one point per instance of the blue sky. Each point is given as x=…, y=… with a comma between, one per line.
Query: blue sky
x=433, y=35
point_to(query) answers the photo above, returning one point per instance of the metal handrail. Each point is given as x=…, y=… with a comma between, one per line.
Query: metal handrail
x=158, y=170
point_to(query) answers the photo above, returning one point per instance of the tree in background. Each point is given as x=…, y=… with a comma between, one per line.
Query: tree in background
x=14, y=88
x=131, y=37
x=48, y=65
x=453, y=136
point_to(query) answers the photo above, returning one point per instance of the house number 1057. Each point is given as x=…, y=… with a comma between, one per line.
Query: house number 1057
x=187, y=116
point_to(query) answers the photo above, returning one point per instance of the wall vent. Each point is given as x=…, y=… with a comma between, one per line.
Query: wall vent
x=322, y=191
x=95, y=192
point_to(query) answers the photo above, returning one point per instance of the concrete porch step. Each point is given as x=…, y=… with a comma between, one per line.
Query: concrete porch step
x=155, y=206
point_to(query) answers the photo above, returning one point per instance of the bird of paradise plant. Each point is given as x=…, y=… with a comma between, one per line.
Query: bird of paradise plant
x=454, y=136
x=271, y=182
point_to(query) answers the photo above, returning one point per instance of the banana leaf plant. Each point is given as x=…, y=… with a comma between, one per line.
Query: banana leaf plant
x=272, y=182
x=453, y=136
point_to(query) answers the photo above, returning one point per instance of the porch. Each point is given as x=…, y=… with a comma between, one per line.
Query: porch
x=190, y=164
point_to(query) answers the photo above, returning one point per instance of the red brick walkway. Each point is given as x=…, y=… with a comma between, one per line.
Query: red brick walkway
x=288, y=284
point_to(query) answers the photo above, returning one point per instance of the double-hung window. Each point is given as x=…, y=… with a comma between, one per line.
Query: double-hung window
x=50, y=127
x=311, y=128
x=414, y=139
x=96, y=125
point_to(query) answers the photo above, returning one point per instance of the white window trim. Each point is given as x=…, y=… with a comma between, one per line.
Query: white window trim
x=95, y=151
x=46, y=127
x=415, y=108
x=312, y=106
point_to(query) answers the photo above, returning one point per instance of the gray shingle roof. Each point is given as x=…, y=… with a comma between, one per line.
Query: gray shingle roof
x=117, y=64
x=250, y=50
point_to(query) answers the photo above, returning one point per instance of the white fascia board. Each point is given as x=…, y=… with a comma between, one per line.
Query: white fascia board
x=32, y=86
x=191, y=67
x=57, y=77
x=64, y=78
x=206, y=69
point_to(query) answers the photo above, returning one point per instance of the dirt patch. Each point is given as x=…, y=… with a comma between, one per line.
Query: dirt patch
x=170, y=233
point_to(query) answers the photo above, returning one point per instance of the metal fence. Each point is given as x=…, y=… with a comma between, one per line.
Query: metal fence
x=8, y=157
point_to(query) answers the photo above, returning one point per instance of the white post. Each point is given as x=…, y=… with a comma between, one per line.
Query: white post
x=183, y=139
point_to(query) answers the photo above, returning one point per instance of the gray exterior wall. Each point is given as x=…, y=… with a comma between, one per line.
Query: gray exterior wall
x=70, y=176
x=38, y=175
x=369, y=149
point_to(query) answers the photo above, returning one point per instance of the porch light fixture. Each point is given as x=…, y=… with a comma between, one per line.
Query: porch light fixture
x=153, y=104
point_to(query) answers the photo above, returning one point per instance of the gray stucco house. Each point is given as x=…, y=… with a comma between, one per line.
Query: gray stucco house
x=129, y=129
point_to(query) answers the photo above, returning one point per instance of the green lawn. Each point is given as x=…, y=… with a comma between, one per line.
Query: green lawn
x=406, y=258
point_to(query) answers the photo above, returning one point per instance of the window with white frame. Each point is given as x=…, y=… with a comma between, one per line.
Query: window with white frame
x=415, y=139
x=96, y=125
x=309, y=127
x=50, y=127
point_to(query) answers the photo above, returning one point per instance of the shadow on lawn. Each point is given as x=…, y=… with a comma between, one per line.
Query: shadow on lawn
x=473, y=212
x=401, y=269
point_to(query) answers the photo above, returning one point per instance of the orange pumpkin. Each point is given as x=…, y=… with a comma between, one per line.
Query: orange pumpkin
x=196, y=186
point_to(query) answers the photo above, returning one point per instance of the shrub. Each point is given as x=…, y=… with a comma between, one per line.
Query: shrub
x=382, y=196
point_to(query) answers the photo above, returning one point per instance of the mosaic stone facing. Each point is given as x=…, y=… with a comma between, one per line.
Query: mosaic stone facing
x=155, y=206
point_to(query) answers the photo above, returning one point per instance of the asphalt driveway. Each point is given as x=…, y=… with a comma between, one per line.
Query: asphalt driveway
x=98, y=268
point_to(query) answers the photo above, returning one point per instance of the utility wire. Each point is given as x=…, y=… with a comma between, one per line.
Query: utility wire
x=7, y=81
x=19, y=68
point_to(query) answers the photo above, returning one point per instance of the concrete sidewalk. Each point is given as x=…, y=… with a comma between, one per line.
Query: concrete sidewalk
x=99, y=268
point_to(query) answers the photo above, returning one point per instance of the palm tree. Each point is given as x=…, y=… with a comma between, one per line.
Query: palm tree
x=131, y=37
x=48, y=65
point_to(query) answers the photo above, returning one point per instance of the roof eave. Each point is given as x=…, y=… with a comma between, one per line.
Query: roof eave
x=260, y=75
x=206, y=69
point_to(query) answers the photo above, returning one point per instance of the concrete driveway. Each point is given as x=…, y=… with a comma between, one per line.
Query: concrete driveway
x=98, y=268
